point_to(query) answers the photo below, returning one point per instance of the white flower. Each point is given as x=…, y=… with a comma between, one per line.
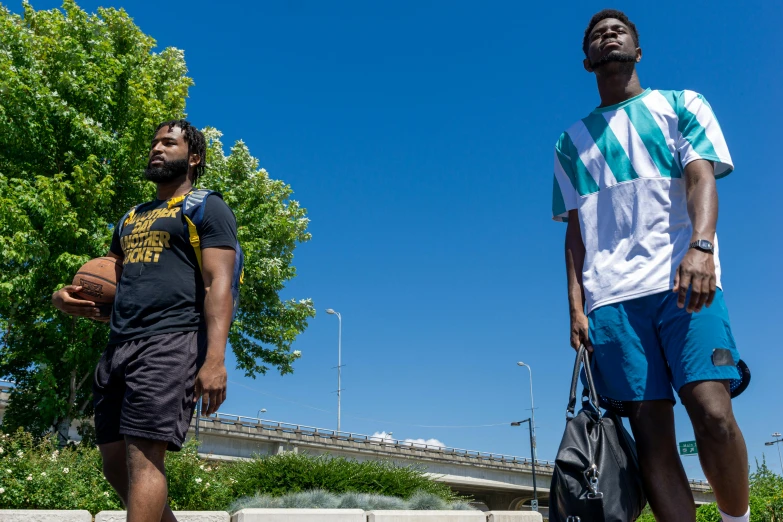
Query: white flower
x=29, y=477
x=2, y=490
x=105, y=493
x=66, y=470
x=20, y=453
x=208, y=469
x=297, y=353
x=1, y=451
x=207, y=485
x=201, y=467
x=8, y=471
x=198, y=481
x=43, y=473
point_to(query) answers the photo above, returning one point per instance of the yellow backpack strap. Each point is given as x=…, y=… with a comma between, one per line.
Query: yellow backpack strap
x=173, y=202
x=195, y=241
x=130, y=216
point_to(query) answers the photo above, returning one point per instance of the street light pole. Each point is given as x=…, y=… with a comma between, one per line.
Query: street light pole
x=532, y=409
x=534, y=504
x=777, y=442
x=262, y=410
x=339, y=360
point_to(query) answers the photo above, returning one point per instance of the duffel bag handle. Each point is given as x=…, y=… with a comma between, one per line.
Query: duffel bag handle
x=582, y=358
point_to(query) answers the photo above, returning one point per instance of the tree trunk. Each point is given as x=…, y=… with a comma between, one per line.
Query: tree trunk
x=62, y=429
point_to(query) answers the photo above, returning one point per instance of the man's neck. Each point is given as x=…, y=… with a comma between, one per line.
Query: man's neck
x=174, y=188
x=616, y=87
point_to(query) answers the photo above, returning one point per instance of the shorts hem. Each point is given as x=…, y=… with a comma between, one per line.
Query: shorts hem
x=717, y=377
x=108, y=440
x=175, y=444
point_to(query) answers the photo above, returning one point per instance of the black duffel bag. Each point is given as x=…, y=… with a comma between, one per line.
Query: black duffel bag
x=596, y=477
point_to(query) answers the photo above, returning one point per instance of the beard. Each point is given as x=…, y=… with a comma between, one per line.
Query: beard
x=169, y=171
x=615, y=57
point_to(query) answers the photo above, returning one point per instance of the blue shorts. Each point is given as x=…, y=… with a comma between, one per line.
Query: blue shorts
x=643, y=347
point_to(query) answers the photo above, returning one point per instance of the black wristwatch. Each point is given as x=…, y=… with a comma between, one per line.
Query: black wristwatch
x=704, y=246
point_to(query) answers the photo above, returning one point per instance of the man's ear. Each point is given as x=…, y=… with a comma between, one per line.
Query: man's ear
x=588, y=67
x=194, y=160
x=638, y=54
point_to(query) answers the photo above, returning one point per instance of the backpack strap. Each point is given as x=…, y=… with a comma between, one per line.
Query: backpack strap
x=193, y=211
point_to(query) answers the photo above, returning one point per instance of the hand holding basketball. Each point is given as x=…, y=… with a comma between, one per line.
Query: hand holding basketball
x=91, y=293
x=64, y=300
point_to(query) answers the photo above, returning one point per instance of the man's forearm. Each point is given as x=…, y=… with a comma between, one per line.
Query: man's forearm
x=702, y=198
x=574, y=258
x=217, y=310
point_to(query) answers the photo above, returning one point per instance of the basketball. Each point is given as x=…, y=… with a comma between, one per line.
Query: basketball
x=98, y=279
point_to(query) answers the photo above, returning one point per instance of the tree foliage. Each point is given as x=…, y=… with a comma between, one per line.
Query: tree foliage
x=80, y=97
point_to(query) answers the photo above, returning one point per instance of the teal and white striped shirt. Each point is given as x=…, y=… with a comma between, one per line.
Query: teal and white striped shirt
x=622, y=168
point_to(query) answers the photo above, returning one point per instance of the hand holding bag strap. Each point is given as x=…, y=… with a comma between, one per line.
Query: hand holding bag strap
x=590, y=384
x=582, y=357
x=574, y=382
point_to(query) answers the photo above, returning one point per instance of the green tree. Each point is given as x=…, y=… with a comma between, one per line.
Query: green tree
x=80, y=97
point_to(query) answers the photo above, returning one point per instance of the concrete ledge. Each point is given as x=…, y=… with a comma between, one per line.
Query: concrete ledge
x=426, y=516
x=182, y=516
x=296, y=515
x=514, y=516
x=44, y=515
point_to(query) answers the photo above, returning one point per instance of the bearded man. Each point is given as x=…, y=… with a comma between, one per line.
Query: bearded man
x=169, y=325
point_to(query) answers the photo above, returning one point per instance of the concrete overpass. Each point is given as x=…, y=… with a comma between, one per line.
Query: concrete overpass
x=500, y=482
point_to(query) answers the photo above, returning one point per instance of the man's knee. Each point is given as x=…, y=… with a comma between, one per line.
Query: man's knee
x=145, y=455
x=709, y=407
x=652, y=422
x=714, y=423
x=113, y=458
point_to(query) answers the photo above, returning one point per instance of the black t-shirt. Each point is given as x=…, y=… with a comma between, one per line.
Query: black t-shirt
x=161, y=289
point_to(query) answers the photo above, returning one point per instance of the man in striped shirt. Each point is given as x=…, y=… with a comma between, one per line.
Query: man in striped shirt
x=635, y=181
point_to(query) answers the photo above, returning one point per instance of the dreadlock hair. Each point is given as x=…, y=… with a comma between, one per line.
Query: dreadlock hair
x=603, y=15
x=196, y=143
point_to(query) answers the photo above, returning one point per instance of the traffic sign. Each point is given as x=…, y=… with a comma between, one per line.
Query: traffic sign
x=688, y=448
x=534, y=505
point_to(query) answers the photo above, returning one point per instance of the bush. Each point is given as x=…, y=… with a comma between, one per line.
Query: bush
x=292, y=472
x=34, y=474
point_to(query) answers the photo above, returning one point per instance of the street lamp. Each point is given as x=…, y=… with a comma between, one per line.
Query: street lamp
x=339, y=360
x=262, y=410
x=534, y=504
x=532, y=407
x=777, y=442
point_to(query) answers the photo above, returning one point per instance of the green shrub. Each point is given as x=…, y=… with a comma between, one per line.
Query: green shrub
x=34, y=474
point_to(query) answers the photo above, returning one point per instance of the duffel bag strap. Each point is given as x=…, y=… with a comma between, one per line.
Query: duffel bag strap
x=582, y=358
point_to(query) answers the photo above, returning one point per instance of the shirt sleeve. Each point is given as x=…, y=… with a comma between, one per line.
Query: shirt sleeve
x=116, y=246
x=219, y=227
x=700, y=134
x=564, y=195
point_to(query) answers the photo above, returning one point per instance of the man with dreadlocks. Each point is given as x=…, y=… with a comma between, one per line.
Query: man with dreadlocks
x=169, y=325
x=635, y=181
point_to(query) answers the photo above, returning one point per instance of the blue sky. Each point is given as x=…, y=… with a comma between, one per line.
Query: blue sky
x=419, y=137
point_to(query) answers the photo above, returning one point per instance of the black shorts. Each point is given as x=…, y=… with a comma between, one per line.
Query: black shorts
x=144, y=388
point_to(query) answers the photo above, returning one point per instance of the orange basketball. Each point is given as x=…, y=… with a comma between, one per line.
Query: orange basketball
x=98, y=279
